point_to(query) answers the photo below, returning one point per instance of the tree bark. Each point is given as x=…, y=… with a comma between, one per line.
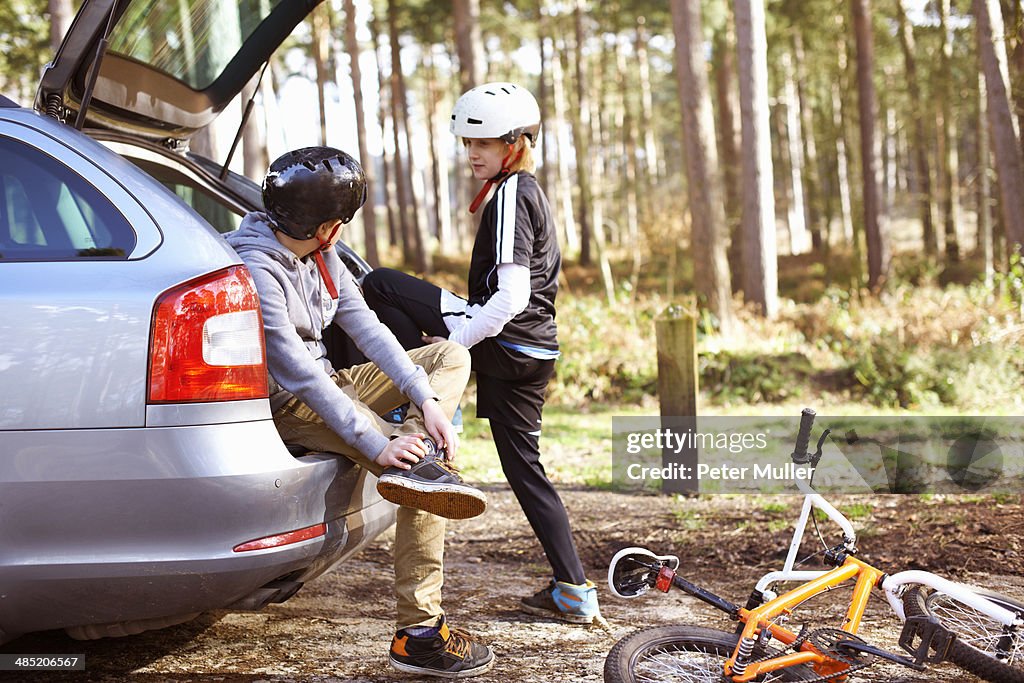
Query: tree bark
x=812, y=196
x=1005, y=143
x=652, y=160
x=563, y=188
x=797, y=211
x=386, y=163
x=468, y=43
x=760, y=260
x=369, y=212
x=984, y=189
x=441, y=209
x=926, y=203
x=321, y=48
x=61, y=13
x=711, y=268
x=402, y=189
x=581, y=141
x=950, y=157
x=877, y=242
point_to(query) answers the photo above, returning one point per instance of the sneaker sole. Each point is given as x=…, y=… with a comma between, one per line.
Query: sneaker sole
x=561, y=616
x=424, y=671
x=451, y=502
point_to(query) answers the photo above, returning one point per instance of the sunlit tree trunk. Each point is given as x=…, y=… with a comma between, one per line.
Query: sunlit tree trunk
x=877, y=242
x=842, y=154
x=61, y=14
x=403, y=194
x=950, y=158
x=629, y=132
x=1006, y=146
x=369, y=211
x=386, y=162
x=543, y=173
x=711, y=268
x=563, y=188
x=581, y=141
x=652, y=159
x=926, y=203
x=812, y=195
x=438, y=160
x=321, y=47
x=984, y=186
x=472, y=69
x=799, y=239
x=760, y=269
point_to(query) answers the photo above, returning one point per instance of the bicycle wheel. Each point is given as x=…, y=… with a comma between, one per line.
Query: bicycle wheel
x=982, y=645
x=681, y=654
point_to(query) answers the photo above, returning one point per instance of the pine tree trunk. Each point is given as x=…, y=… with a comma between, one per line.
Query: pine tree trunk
x=652, y=160
x=563, y=189
x=321, y=46
x=812, y=198
x=369, y=212
x=61, y=14
x=728, y=128
x=984, y=187
x=403, y=193
x=926, y=202
x=711, y=268
x=842, y=165
x=950, y=158
x=1005, y=142
x=581, y=141
x=472, y=70
x=760, y=261
x=438, y=161
x=386, y=162
x=799, y=237
x=629, y=185
x=877, y=242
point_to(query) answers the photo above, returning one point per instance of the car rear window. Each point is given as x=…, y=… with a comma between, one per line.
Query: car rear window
x=191, y=41
x=50, y=213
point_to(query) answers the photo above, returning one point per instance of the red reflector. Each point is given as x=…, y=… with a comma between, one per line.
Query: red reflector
x=207, y=342
x=664, y=581
x=283, y=539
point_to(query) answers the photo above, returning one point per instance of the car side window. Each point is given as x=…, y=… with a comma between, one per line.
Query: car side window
x=50, y=213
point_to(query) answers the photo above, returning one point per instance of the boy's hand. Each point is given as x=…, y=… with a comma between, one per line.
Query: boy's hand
x=403, y=452
x=440, y=427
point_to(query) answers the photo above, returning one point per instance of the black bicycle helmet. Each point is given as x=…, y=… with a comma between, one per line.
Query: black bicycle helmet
x=310, y=186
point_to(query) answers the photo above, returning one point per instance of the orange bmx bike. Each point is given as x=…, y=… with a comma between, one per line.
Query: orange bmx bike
x=978, y=630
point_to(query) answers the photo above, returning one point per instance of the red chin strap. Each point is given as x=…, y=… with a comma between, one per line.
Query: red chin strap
x=318, y=256
x=505, y=170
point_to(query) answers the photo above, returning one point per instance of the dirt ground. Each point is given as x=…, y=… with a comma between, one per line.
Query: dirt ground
x=339, y=626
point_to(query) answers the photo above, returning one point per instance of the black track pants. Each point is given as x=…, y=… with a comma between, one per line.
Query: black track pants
x=510, y=393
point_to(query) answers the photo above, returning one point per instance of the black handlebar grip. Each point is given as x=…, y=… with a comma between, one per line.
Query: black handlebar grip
x=803, y=437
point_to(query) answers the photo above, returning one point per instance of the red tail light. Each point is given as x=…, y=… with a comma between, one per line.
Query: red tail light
x=207, y=342
x=279, y=540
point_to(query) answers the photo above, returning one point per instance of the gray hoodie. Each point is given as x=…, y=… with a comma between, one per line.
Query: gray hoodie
x=296, y=308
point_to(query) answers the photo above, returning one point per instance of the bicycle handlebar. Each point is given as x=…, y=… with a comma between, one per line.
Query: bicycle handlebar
x=800, y=455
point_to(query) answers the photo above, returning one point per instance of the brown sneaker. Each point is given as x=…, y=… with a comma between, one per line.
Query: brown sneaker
x=432, y=485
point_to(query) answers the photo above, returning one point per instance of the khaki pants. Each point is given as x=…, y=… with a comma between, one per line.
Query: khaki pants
x=419, y=536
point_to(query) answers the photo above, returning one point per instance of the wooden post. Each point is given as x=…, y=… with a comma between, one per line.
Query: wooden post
x=676, y=333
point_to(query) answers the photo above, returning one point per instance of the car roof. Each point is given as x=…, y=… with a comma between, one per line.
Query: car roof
x=166, y=74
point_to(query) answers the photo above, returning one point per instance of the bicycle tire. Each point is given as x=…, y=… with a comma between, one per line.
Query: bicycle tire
x=682, y=654
x=975, y=648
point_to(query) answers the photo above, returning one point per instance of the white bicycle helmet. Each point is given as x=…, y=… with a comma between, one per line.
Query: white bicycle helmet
x=497, y=110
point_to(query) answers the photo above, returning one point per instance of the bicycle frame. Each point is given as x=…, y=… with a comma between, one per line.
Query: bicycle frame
x=817, y=582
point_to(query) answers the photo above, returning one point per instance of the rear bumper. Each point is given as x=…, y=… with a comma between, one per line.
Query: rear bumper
x=103, y=526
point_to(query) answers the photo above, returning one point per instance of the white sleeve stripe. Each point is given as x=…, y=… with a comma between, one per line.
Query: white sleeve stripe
x=506, y=237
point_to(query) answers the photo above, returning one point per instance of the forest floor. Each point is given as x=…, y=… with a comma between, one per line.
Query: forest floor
x=339, y=626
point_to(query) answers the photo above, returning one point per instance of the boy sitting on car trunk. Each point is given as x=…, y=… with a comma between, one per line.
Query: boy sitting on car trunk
x=304, y=287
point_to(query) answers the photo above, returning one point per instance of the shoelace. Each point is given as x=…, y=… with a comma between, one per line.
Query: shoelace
x=458, y=643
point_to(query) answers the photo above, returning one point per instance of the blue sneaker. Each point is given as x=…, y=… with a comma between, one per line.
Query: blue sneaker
x=397, y=416
x=565, y=601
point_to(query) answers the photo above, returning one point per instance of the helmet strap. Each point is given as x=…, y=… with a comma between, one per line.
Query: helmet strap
x=321, y=266
x=500, y=175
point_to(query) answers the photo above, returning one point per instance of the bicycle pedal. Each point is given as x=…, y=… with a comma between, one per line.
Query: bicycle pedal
x=935, y=640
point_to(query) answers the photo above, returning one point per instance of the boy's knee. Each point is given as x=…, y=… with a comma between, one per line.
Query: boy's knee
x=454, y=353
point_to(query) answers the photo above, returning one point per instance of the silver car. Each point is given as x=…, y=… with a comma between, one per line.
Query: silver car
x=142, y=480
